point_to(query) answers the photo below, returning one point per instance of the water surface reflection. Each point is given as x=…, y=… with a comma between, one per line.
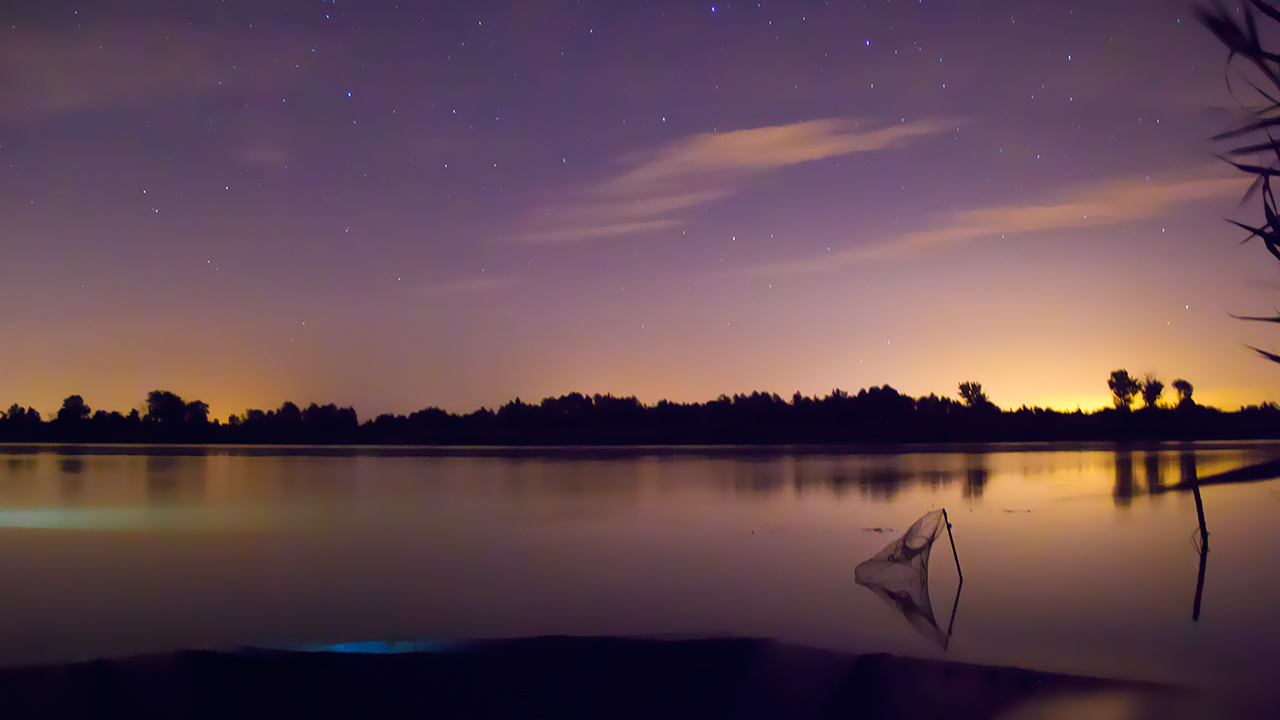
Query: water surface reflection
x=1072, y=561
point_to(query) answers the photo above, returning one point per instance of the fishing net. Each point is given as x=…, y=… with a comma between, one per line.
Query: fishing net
x=900, y=574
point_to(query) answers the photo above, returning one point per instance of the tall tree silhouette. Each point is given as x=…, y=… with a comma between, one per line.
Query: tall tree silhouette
x=1256, y=148
x=971, y=393
x=165, y=407
x=1152, y=389
x=73, y=409
x=1184, y=389
x=1123, y=388
x=197, y=412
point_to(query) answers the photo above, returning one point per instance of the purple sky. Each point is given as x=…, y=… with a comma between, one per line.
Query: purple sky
x=453, y=204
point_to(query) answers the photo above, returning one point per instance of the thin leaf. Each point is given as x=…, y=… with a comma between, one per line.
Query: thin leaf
x=1253, y=189
x=1249, y=128
x=1272, y=145
x=1253, y=231
x=1254, y=169
x=1267, y=10
x=1270, y=356
x=1275, y=319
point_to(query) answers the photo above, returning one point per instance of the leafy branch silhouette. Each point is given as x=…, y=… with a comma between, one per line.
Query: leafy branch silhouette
x=1239, y=33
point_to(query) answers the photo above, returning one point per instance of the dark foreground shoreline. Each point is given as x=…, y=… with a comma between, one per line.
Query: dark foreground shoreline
x=579, y=678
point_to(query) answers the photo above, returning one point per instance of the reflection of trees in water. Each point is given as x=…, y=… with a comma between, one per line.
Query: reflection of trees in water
x=876, y=482
x=20, y=480
x=530, y=478
x=71, y=465
x=18, y=464
x=1187, y=467
x=935, y=478
x=1157, y=469
x=759, y=479
x=1122, y=493
x=877, y=477
x=880, y=481
x=331, y=479
x=595, y=478
x=70, y=479
x=976, y=475
x=834, y=480
x=1153, y=471
x=172, y=479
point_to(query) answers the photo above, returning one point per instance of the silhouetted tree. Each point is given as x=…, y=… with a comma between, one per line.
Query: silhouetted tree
x=1152, y=389
x=875, y=414
x=1257, y=149
x=165, y=407
x=289, y=414
x=73, y=410
x=197, y=412
x=971, y=393
x=329, y=423
x=21, y=420
x=1184, y=389
x=1123, y=388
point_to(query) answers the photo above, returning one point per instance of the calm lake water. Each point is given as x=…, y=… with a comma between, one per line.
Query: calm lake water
x=1070, y=561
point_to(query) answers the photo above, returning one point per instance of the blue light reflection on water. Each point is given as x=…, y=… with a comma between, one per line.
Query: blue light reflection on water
x=379, y=647
x=123, y=518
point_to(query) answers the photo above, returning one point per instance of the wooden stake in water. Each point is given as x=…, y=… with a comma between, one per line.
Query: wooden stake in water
x=955, y=605
x=951, y=537
x=1204, y=553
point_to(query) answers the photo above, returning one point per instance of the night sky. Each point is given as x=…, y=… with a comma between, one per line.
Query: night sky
x=457, y=203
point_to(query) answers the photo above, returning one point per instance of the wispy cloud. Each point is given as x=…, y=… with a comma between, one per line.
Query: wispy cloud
x=588, y=232
x=657, y=188
x=469, y=286
x=1107, y=203
x=263, y=156
x=50, y=69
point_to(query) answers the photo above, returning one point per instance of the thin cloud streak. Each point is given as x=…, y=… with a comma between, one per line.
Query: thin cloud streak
x=660, y=186
x=1109, y=203
x=50, y=70
x=764, y=148
x=572, y=235
x=469, y=286
x=263, y=156
x=644, y=206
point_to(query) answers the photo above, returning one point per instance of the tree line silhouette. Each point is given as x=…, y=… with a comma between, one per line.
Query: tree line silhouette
x=1125, y=387
x=879, y=414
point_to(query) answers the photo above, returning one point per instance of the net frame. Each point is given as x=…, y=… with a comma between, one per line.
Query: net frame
x=899, y=574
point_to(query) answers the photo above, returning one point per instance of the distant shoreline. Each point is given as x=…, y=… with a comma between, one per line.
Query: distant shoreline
x=872, y=417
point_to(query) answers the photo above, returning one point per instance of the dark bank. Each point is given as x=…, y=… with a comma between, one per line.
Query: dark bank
x=879, y=414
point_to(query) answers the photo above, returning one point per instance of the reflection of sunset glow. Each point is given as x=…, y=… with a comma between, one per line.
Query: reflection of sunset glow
x=1071, y=561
